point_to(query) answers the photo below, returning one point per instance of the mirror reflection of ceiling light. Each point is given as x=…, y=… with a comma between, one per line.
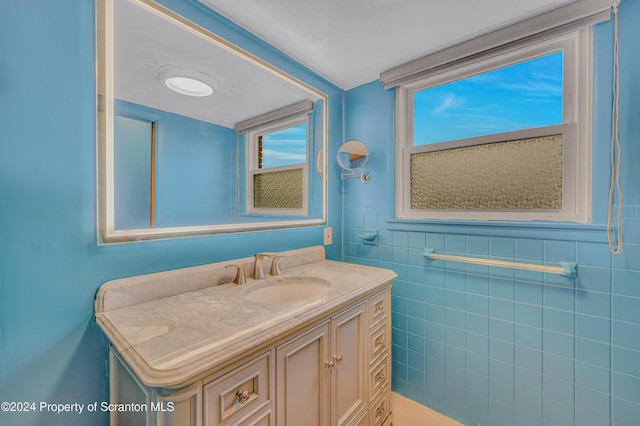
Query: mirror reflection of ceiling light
x=188, y=86
x=186, y=81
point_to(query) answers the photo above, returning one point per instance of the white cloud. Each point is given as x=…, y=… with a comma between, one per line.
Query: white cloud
x=447, y=102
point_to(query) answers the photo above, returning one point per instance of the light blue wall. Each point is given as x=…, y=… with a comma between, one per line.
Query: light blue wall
x=50, y=264
x=194, y=170
x=492, y=346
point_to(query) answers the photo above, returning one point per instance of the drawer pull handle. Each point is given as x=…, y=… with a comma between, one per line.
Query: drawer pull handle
x=243, y=396
x=380, y=377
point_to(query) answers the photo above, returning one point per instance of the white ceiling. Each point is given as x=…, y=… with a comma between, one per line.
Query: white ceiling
x=350, y=42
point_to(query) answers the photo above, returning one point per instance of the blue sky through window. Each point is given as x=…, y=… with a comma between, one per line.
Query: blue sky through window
x=517, y=97
x=285, y=147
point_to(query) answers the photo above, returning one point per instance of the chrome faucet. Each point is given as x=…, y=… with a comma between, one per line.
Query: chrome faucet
x=258, y=268
x=240, y=277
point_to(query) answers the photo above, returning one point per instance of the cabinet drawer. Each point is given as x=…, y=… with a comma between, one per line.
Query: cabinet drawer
x=236, y=396
x=378, y=308
x=379, y=377
x=379, y=342
x=381, y=409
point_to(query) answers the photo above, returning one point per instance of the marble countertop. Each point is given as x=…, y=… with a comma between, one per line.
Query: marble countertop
x=174, y=337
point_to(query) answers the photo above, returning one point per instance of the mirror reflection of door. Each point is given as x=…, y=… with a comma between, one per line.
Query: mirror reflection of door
x=134, y=146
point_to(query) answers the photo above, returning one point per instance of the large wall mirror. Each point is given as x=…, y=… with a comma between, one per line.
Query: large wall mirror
x=197, y=136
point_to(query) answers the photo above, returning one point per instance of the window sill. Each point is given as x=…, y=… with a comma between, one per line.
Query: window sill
x=534, y=229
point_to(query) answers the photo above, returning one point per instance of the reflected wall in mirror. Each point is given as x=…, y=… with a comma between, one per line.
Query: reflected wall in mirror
x=197, y=136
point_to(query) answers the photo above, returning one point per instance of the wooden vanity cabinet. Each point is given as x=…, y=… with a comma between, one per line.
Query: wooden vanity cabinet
x=321, y=374
x=335, y=373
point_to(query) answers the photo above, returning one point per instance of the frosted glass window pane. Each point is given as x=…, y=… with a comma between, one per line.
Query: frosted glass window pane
x=278, y=190
x=524, y=174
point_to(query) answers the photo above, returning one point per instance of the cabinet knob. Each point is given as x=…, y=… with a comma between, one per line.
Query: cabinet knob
x=379, y=308
x=337, y=359
x=329, y=364
x=380, y=341
x=380, y=412
x=243, y=396
x=380, y=377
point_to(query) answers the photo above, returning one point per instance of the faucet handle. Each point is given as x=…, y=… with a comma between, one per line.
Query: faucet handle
x=240, y=277
x=275, y=265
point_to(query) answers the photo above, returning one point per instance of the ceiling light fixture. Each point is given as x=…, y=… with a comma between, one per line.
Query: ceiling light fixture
x=187, y=81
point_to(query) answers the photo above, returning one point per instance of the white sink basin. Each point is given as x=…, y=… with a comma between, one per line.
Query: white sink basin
x=287, y=289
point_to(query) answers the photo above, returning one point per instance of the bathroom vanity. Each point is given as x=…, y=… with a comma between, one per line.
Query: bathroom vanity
x=308, y=346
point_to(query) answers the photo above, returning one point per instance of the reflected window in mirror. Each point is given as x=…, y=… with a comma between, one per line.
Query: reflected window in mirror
x=284, y=147
x=277, y=171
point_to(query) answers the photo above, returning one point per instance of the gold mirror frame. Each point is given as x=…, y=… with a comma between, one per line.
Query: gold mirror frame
x=105, y=132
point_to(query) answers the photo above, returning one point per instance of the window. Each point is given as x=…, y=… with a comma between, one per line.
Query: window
x=499, y=136
x=521, y=96
x=277, y=168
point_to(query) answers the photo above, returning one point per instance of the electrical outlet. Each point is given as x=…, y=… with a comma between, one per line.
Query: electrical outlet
x=328, y=236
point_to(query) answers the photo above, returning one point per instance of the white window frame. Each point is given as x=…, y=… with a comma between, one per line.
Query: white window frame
x=252, y=166
x=576, y=128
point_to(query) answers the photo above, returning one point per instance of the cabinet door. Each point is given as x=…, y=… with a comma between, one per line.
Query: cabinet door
x=303, y=372
x=348, y=353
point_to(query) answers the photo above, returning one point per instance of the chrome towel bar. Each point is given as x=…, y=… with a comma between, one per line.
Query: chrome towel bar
x=566, y=269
